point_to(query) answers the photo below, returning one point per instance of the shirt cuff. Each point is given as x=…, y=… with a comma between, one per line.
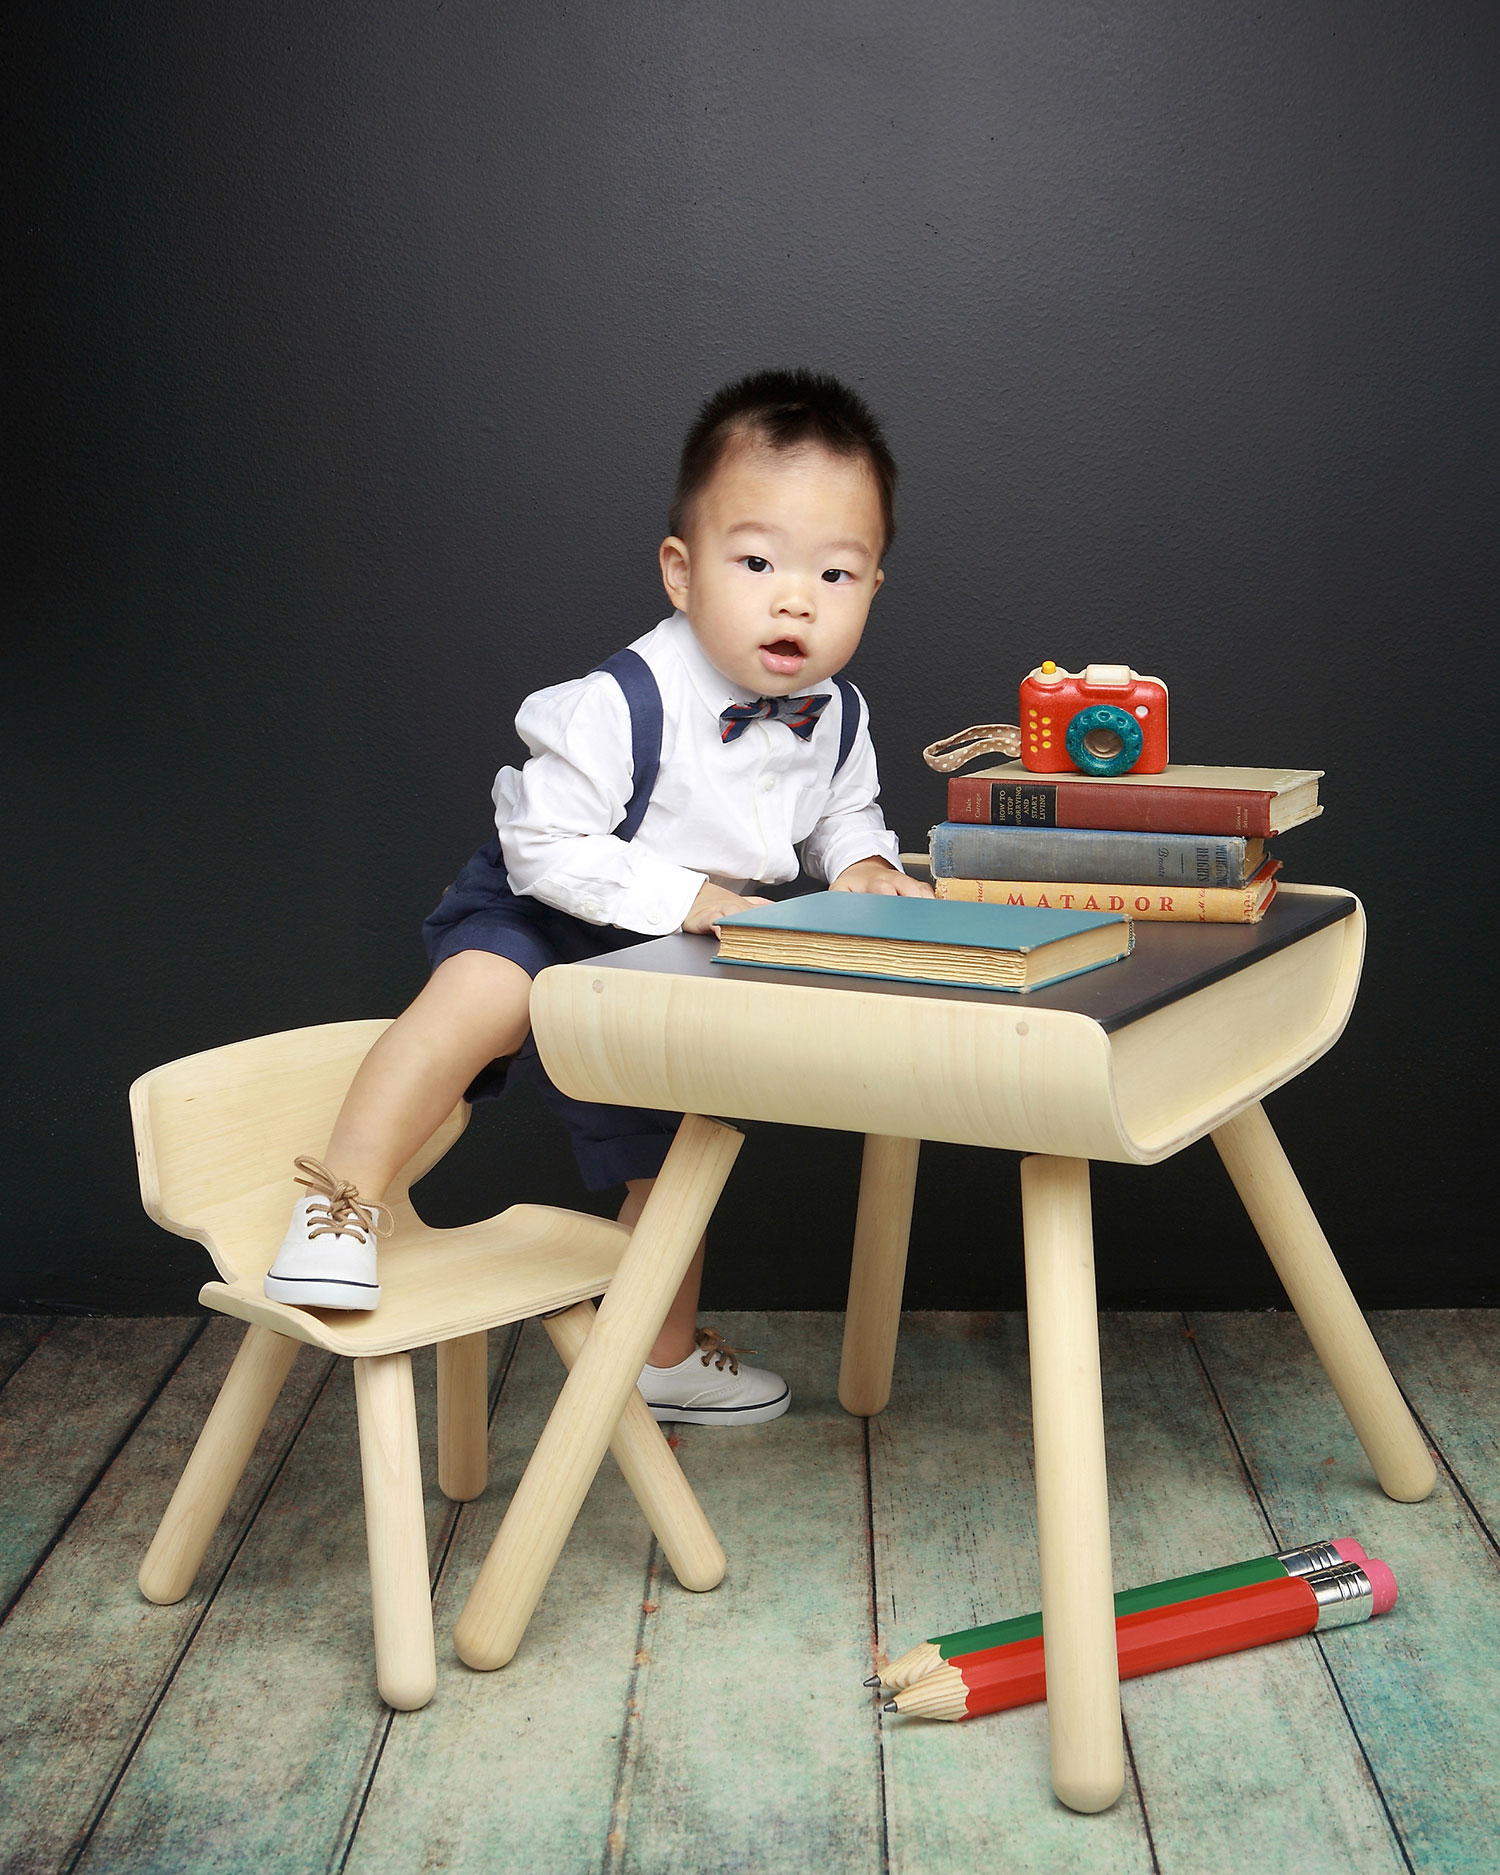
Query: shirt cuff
x=849, y=844
x=653, y=899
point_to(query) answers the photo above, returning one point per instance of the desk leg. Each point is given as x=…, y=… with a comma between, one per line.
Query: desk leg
x=1072, y=1495
x=555, y=1482
x=649, y=1468
x=1339, y=1333
x=887, y=1179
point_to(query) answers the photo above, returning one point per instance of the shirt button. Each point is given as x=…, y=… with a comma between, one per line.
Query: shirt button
x=592, y=908
x=767, y=782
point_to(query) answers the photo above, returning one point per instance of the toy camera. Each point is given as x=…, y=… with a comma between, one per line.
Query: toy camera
x=1102, y=720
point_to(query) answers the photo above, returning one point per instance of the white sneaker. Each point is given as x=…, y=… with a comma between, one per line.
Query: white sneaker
x=711, y=1388
x=327, y=1258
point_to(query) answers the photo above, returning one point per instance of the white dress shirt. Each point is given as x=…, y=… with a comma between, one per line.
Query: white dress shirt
x=733, y=812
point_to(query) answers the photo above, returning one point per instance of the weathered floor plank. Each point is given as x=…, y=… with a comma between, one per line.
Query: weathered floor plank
x=1178, y=1501
x=1418, y=1684
x=85, y=1656
x=19, y=1334
x=954, y=1507
x=1447, y=1361
x=1289, y=1774
x=753, y=1744
x=241, y=1729
x=261, y=1750
x=512, y=1772
x=63, y=1416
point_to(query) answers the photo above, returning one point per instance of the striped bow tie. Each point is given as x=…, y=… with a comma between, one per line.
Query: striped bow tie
x=800, y=714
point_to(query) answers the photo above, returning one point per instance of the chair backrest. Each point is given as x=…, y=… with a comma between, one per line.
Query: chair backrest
x=216, y=1134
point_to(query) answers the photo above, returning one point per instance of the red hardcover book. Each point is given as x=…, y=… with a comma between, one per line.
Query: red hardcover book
x=1183, y=798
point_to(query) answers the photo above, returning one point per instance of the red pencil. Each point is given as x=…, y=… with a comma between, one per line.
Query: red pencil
x=1161, y=1637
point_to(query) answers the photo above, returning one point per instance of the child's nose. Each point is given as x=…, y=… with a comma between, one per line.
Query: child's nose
x=795, y=600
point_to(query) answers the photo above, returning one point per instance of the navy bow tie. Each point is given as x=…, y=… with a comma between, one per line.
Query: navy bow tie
x=800, y=714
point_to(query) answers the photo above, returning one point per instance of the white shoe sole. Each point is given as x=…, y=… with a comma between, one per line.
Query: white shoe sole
x=316, y=1292
x=721, y=1415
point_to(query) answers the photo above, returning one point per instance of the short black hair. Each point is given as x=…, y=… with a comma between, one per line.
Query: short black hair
x=785, y=410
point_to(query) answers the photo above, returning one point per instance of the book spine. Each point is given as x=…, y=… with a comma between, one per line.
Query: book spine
x=962, y=850
x=1153, y=904
x=1123, y=807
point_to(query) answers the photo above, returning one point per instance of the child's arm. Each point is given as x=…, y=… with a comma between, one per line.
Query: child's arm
x=556, y=816
x=851, y=846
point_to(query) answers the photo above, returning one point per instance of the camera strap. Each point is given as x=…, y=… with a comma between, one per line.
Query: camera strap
x=980, y=739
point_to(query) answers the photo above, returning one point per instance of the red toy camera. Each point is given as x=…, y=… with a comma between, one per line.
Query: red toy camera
x=1102, y=720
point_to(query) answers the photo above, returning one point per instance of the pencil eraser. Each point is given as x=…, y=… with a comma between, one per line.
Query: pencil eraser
x=1382, y=1582
x=1348, y=1549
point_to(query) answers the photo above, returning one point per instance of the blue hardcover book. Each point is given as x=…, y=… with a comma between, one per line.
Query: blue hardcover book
x=924, y=940
x=968, y=850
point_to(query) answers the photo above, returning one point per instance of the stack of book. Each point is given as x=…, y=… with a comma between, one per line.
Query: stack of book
x=1188, y=844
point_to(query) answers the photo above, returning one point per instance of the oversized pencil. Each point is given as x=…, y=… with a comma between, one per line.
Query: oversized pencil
x=930, y=1654
x=1154, y=1638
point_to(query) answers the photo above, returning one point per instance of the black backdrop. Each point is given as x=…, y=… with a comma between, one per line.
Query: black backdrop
x=356, y=347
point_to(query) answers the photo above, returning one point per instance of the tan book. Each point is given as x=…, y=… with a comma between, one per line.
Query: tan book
x=1193, y=904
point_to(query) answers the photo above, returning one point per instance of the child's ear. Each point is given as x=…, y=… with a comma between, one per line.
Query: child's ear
x=672, y=556
x=879, y=579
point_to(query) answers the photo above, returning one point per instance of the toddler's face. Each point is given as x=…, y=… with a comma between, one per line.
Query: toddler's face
x=779, y=567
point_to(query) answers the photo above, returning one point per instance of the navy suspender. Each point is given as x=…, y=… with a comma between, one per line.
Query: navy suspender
x=848, y=719
x=643, y=699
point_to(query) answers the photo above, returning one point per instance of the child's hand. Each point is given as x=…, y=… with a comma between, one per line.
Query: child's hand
x=876, y=875
x=714, y=903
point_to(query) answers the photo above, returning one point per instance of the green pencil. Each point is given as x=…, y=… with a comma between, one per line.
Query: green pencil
x=931, y=1654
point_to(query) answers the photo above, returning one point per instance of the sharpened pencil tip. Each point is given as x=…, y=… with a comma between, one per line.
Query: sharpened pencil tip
x=889, y=1706
x=874, y=1680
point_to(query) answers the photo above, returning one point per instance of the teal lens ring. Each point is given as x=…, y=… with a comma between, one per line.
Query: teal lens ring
x=1104, y=740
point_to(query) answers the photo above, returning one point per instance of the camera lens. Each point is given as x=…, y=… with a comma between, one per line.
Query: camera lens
x=1104, y=740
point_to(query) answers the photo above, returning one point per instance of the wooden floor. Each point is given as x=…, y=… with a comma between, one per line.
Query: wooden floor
x=642, y=1728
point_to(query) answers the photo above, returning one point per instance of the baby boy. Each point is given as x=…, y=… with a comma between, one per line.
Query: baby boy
x=662, y=788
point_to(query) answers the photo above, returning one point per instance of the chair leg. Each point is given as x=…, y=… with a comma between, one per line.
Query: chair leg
x=1339, y=1333
x=650, y=1468
x=887, y=1180
x=1072, y=1496
x=582, y=1423
x=218, y=1461
x=396, y=1529
x=463, y=1416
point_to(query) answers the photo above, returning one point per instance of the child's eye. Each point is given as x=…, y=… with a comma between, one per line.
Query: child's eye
x=754, y=564
x=835, y=574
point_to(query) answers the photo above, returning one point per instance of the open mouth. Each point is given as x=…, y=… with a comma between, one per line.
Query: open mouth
x=785, y=657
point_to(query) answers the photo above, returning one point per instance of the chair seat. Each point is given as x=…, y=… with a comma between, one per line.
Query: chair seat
x=439, y=1284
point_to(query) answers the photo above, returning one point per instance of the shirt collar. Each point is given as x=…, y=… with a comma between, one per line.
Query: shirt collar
x=712, y=686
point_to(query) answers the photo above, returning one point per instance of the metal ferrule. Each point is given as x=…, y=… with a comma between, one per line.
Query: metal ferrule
x=1344, y=1594
x=1312, y=1556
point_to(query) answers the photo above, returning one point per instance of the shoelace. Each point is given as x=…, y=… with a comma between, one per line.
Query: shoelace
x=713, y=1347
x=344, y=1213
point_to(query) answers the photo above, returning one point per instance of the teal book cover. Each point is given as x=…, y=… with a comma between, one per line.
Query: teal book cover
x=924, y=940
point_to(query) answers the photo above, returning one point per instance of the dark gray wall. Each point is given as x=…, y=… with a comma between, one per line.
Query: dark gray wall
x=349, y=393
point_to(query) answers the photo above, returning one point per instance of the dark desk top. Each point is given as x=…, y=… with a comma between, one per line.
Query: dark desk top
x=1169, y=961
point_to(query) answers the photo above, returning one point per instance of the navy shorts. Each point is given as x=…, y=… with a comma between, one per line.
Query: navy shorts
x=479, y=912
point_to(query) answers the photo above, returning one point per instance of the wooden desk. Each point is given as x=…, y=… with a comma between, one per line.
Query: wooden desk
x=1131, y=1062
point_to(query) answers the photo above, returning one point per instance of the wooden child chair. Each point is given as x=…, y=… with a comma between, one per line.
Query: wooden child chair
x=215, y=1137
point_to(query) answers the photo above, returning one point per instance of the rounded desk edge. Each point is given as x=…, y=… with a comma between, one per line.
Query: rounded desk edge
x=1007, y=1075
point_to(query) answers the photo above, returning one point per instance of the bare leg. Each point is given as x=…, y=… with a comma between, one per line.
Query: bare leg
x=474, y=1009
x=675, y=1342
